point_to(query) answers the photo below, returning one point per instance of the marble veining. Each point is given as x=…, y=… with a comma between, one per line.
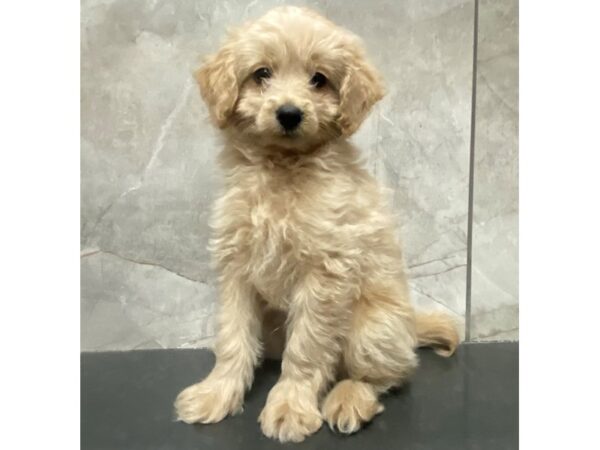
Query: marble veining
x=148, y=171
x=495, y=296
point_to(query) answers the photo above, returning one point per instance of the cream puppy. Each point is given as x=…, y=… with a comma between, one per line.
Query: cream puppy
x=309, y=268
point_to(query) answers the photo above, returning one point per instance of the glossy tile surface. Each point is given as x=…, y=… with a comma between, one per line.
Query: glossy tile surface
x=469, y=401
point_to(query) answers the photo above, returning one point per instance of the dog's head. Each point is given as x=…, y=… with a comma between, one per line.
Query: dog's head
x=291, y=79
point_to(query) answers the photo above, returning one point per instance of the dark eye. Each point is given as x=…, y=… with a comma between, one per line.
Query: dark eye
x=261, y=74
x=318, y=80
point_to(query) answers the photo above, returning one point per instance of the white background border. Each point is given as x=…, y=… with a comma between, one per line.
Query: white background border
x=39, y=224
x=559, y=226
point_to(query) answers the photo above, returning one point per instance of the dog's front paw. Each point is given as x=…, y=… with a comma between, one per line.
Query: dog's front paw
x=209, y=401
x=287, y=416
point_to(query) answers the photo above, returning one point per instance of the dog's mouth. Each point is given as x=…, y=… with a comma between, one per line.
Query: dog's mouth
x=289, y=134
x=290, y=140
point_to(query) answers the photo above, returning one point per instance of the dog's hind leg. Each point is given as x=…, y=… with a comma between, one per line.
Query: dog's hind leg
x=378, y=354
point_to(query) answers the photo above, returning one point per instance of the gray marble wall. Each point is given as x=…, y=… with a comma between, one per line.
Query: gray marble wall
x=495, y=296
x=148, y=174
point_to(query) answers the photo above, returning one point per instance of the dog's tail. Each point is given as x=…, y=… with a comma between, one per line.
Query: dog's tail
x=438, y=331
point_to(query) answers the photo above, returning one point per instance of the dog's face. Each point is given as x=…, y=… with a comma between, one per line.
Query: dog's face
x=291, y=80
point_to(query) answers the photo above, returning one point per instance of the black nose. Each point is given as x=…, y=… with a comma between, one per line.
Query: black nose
x=289, y=117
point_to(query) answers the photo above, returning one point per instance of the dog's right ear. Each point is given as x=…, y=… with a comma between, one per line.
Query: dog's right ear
x=219, y=85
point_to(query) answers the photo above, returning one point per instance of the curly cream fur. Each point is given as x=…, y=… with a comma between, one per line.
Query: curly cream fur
x=303, y=243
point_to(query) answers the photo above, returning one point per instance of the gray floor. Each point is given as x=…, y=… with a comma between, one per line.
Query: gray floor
x=467, y=402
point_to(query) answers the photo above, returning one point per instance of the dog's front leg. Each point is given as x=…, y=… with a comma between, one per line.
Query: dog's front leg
x=238, y=350
x=317, y=317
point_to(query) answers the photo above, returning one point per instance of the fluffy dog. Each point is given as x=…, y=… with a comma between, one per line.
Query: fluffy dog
x=309, y=267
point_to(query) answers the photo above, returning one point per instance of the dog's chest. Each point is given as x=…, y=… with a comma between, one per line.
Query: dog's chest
x=276, y=227
x=276, y=218
x=275, y=245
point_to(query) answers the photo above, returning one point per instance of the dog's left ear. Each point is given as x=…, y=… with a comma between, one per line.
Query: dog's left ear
x=219, y=85
x=361, y=88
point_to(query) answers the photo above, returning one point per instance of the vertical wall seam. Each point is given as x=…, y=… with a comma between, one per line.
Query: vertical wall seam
x=471, y=177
